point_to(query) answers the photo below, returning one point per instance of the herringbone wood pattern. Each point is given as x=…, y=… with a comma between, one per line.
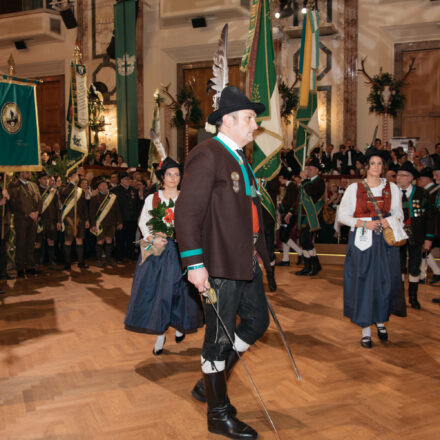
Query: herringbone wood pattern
x=69, y=370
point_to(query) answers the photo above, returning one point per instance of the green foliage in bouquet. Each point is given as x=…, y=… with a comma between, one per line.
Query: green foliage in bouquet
x=162, y=219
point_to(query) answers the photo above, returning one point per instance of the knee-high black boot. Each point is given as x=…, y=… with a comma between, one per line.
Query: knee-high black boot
x=220, y=419
x=307, y=267
x=99, y=250
x=80, y=254
x=413, y=287
x=108, y=247
x=198, y=391
x=67, y=256
x=316, y=266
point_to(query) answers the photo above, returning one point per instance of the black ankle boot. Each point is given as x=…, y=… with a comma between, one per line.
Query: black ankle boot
x=220, y=420
x=413, y=287
x=198, y=391
x=316, y=267
x=307, y=267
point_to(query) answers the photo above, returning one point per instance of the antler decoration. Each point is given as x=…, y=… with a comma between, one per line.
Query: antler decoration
x=370, y=80
x=411, y=68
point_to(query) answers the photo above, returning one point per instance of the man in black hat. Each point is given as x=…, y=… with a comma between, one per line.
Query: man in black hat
x=49, y=221
x=426, y=181
x=311, y=202
x=219, y=231
x=130, y=206
x=74, y=219
x=105, y=219
x=417, y=225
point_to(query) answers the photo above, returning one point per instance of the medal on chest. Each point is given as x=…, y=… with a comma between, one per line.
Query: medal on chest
x=235, y=177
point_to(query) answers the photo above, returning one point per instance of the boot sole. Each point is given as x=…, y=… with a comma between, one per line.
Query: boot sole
x=238, y=436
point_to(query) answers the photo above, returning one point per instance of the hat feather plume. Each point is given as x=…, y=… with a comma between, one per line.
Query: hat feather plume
x=158, y=145
x=220, y=67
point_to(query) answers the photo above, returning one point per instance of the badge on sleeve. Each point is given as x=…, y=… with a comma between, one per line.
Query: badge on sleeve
x=235, y=177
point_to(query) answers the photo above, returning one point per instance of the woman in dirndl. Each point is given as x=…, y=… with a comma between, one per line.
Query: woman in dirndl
x=372, y=280
x=160, y=295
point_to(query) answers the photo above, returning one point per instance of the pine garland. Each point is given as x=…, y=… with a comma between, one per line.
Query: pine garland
x=289, y=101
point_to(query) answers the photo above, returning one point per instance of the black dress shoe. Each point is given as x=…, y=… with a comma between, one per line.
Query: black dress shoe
x=282, y=263
x=83, y=265
x=435, y=279
x=415, y=304
x=20, y=273
x=179, y=339
x=382, y=333
x=366, y=342
x=436, y=300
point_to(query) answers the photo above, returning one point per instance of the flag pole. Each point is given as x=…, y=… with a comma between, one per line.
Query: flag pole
x=11, y=74
x=3, y=209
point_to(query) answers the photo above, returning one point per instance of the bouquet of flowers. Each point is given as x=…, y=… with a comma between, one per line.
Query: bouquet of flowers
x=162, y=223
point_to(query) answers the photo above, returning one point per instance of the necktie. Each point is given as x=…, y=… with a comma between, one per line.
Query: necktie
x=257, y=219
x=405, y=207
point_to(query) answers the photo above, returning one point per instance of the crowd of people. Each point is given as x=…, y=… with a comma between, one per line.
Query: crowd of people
x=211, y=224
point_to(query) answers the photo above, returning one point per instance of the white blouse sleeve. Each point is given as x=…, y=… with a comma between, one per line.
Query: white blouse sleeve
x=348, y=206
x=396, y=202
x=145, y=217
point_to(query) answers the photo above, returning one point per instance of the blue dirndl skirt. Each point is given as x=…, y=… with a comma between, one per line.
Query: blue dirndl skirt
x=372, y=282
x=161, y=297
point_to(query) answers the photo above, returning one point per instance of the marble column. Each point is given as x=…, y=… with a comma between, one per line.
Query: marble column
x=350, y=68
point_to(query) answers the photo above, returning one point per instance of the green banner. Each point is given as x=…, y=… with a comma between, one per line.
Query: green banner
x=126, y=80
x=19, y=134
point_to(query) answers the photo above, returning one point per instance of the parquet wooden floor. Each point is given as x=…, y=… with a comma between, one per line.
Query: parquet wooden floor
x=69, y=370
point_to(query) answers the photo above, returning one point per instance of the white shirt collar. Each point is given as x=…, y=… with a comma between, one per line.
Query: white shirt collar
x=313, y=178
x=229, y=142
x=24, y=182
x=408, y=190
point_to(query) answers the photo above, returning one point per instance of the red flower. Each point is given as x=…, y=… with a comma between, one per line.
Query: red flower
x=160, y=165
x=169, y=217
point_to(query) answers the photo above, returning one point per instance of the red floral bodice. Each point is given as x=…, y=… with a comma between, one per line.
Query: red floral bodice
x=365, y=208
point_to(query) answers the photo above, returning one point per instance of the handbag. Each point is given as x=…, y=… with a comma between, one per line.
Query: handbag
x=388, y=233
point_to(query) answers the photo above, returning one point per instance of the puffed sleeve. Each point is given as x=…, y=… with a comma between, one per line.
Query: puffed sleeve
x=348, y=206
x=396, y=202
x=145, y=217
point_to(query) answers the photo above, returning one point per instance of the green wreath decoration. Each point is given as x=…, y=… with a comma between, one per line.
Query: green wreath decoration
x=397, y=100
x=289, y=101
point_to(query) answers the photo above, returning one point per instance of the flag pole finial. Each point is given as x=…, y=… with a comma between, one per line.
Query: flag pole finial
x=11, y=64
x=77, y=55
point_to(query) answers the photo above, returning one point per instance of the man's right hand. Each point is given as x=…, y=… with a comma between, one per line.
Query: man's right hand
x=199, y=277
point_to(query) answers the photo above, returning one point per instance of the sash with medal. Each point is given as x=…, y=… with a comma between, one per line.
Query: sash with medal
x=69, y=203
x=103, y=210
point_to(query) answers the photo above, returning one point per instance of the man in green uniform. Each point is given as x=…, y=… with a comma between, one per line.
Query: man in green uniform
x=105, y=219
x=26, y=204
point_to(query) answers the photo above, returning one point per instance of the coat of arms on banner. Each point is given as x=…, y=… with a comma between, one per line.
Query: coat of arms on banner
x=126, y=64
x=11, y=117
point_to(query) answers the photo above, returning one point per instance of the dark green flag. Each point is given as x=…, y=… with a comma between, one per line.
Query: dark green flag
x=19, y=134
x=126, y=80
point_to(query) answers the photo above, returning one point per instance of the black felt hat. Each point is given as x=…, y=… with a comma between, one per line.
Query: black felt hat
x=409, y=168
x=161, y=167
x=426, y=172
x=42, y=174
x=123, y=175
x=313, y=163
x=373, y=151
x=233, y=100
